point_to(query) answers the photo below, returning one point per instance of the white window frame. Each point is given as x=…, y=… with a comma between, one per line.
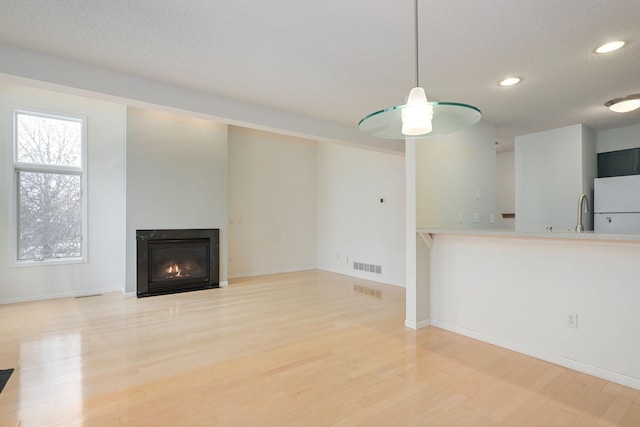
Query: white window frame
x=39, y=168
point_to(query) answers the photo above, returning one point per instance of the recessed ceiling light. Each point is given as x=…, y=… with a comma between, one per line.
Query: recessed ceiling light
x=510, y=81
x=610, y=47
x=625, y=104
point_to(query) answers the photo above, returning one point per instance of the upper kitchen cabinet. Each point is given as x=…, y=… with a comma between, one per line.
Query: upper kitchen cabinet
x=552, y=169
x=619, y=163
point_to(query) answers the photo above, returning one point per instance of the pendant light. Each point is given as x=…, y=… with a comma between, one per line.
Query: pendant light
x=419, y=118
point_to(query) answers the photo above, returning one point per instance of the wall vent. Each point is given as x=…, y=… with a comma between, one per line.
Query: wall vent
x=371, y=268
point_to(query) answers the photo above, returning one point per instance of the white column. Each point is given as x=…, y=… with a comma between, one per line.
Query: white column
x=417, y=267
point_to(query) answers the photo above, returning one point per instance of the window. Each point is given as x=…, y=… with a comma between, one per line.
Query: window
x=49, y=187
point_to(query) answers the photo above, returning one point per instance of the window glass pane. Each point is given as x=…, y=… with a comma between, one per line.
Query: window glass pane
x=48, y=140
x=49, y=215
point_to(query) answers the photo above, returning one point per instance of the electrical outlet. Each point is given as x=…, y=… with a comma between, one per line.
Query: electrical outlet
x=572, y=320
x=460, y=217
x=476, y=217
x=492, y=218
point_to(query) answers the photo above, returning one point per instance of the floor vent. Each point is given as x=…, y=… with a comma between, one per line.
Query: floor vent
x=371, y=268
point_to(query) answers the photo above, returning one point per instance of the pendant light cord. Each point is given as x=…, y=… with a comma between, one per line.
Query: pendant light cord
x=417, y=61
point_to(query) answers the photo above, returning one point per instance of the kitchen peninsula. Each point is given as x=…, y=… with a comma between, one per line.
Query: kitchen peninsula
x=566, y=297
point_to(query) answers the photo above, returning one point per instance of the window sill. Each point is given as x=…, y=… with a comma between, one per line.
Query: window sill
x=49, y=261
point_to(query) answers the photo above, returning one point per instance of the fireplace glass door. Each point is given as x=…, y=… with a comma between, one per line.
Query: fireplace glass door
x=178, y=262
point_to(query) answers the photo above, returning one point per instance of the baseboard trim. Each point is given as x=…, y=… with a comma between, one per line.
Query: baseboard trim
x=538, y=354
x=267, y=273
x=417, y=325
x=79, y=293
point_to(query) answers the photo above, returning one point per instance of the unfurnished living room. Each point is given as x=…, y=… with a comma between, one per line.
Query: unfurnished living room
x=338, y=213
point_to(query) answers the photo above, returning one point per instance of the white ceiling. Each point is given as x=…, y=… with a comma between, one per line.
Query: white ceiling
x=339, y=60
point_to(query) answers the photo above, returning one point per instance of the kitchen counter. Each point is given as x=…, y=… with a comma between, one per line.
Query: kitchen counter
x=571, y=235
x=565, y=297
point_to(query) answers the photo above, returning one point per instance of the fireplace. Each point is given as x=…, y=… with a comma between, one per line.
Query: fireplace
x=177, y=260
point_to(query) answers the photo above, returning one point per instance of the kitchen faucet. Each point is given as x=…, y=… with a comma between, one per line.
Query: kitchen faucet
x=582, y=200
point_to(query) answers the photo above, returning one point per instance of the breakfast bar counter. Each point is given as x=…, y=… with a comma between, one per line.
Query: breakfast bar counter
x=566, y=297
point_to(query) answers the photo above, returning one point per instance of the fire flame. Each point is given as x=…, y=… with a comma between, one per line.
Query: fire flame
x=172, y=269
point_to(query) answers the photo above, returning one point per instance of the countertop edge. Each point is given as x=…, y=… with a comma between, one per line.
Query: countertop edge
x=587, y=235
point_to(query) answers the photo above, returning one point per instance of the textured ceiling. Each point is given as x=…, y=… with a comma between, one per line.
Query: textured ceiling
x=339, y=60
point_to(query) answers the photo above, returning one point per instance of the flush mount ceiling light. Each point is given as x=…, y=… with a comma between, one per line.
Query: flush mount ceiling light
x=419, y=118
x=625, y=104
x=610, y=47
x=510, y=81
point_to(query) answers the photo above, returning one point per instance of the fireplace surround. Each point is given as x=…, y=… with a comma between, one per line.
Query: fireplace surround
x=177, y=260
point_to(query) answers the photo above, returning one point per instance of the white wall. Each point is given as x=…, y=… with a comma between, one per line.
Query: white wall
x=552, y=169
x=104, y=270
x=456, y=174
x=272, y=203
x=176, y=178
x=353, y=225
x=505, y=189
x=618, y=138
x=518, y=292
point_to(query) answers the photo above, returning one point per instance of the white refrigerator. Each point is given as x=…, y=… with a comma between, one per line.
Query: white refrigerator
x=617, y=204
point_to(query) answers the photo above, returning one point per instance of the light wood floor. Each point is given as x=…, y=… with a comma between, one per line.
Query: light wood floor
x=298, y=349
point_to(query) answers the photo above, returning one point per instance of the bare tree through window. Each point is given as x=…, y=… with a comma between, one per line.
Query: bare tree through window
x=49, y=179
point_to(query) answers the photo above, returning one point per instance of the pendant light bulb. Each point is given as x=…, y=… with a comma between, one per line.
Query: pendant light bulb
x=417, y=114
